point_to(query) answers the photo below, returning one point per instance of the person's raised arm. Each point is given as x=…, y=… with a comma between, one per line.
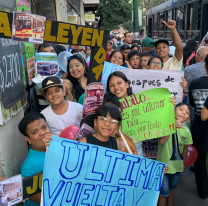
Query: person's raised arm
x=83, y=139
x=204, y=112
x=171, y=24
x=36, y=198
x=185, y=152
x=163, y=140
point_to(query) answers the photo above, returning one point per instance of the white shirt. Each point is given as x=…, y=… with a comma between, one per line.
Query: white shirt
x=173, y=64
x=57, y=123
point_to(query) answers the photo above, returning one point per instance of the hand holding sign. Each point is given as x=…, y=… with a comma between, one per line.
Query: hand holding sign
x=93, y=175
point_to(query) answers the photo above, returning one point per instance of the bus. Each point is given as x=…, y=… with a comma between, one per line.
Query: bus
x=29, y=26
x=192, y=23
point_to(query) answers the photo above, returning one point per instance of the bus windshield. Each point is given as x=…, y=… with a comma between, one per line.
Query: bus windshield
x=23, y=22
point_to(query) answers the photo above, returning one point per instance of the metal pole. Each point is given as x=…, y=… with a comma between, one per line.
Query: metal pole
x=136, y=16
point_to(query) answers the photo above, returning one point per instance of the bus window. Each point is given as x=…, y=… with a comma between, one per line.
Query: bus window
x=147, y=29
x=193, y=16
x=161, y=34
x=170, y=14
x=182, y=20
x=199, y=17
x=193, y=35
x=189, y=16
x=155, y=23
x=161, y=18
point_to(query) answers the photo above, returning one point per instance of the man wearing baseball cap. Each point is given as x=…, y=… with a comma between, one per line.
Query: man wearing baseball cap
x=61, y=113
x=162, y=49
x=148, y=45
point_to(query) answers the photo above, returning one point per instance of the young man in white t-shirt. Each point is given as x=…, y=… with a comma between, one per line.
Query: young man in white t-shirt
x=61, y=113
x=162, y=49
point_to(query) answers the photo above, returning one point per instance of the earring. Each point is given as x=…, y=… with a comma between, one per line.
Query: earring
x=85, y=71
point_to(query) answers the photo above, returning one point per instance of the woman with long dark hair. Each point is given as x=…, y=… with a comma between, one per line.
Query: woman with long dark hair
x=189, y=51
x=119, y=85
x=118, y=58
x=76, y=81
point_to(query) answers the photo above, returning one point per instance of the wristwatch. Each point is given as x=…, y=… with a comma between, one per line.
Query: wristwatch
x=186, y=92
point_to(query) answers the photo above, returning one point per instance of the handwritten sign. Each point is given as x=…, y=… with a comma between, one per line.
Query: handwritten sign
x=23, y=5
x=148, y=115
x=80, y=178
x=150, y=148
x=142, y=80
x=11, y=73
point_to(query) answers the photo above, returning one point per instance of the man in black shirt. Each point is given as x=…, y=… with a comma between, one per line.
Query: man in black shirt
x=198, y=93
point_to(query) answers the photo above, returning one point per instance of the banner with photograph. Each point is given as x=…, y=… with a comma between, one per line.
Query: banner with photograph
x=11, y=191
x=93, y=98
x=148, y=115
x=142, y=80
x=28, y=27
x=85, y=174
x=84, y=131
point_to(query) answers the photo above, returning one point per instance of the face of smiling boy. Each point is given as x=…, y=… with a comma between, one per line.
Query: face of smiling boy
x=55, y=95
x=36, y=132
x=182, y=113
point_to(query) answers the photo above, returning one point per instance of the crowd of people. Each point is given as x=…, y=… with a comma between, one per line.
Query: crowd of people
x=59, y=108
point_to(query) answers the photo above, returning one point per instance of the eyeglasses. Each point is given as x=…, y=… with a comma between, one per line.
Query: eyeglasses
x=104, y=120
x=156, y=63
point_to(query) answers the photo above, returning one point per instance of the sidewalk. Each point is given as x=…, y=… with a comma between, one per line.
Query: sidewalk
x=186, y=192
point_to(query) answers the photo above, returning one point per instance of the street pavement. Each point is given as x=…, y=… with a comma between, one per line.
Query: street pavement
x=186, y=192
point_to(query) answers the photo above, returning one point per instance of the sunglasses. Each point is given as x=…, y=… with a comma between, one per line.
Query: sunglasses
x=126, y=47
x=74, y=57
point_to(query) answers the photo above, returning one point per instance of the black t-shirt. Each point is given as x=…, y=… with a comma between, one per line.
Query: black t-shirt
x=198, y=93
x=111, y=143
x=206, y=140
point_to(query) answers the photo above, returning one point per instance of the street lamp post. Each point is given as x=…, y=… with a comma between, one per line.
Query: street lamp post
x=136, y=17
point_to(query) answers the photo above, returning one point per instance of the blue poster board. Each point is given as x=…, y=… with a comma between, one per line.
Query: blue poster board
x=108, y=69
x=78, y=174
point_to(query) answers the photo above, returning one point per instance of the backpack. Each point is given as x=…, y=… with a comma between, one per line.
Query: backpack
x=189, y=58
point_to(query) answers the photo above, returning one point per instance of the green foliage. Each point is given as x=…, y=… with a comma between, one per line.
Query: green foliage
x=114, y=12
x=148, y=4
